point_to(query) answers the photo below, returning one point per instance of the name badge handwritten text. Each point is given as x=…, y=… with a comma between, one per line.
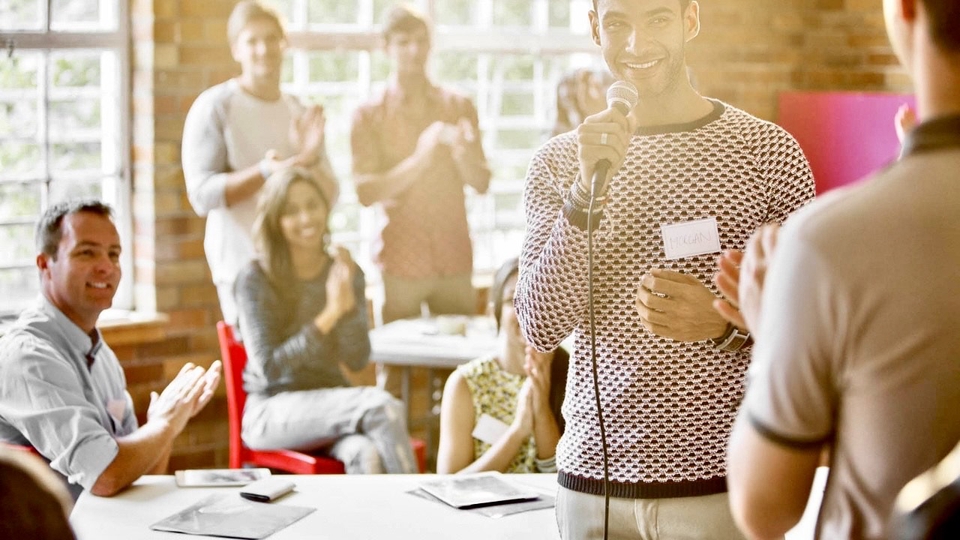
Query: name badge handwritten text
x=691, y=238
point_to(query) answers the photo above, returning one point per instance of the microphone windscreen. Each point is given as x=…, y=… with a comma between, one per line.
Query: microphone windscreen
x=623, y=96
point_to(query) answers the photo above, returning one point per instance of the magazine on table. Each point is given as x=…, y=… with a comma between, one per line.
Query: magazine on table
x=481, y=489
x=228, y=515
x=219, y=477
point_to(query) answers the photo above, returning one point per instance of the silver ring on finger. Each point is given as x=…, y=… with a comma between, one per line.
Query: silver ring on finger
x=603, y=138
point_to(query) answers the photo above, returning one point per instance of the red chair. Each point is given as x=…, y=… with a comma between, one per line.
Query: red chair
x=20, y=448
x=234, y=357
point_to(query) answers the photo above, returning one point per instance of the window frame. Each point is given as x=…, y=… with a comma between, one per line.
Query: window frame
x=47, y=42
x=481, y=37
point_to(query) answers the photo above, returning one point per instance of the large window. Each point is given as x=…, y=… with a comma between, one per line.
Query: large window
x=63, y=67
x=507, y=54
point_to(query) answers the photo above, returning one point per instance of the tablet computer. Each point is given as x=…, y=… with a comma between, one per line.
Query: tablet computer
x=219, y=477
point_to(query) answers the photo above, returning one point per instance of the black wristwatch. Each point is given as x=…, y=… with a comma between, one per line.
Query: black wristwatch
x=732, y=340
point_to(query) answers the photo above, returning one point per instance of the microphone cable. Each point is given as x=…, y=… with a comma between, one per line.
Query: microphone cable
x=623, y=97
x=593, y=361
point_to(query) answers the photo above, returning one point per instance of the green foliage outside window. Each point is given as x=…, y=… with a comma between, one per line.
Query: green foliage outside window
x=20, y=71
x=512, y=13
x=455, y=66
x=454, y=12
x=19, y=15
x=517, y=104
x=18, y=157
x=68, y=13
x=330, y=66
x=19, y=201
x=71, y=116
x=75, y=70
x=331, y=12
x=559, y=14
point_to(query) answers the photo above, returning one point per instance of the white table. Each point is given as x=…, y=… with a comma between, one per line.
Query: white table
x=421, y=343
x=348, y=507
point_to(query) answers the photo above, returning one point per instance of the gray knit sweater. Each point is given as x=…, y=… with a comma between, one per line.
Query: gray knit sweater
x=668, y=406
x=285, y=349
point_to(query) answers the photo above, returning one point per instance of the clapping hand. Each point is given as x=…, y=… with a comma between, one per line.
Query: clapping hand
x=436, y=135
x=537, y=366
x=728, y=281
x=464, y=140
x=307, y=135
x=753, y=273
x=523, y=419
x=185, y=396
x=340, y=296
x=904, y=121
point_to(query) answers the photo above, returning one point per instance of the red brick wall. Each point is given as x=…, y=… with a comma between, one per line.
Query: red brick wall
x=179, y=49
x=748, y=51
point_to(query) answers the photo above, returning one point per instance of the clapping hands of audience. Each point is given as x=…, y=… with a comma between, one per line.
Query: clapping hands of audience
x=308, y=130
x=537, y=366
x=185, y=396
x=904, y=121
x=464, y=141
x=432, y=138
x=728, y=281
x=307, y=136
x=461, y=138
x=523, y=419
x=533, y=400
x=340, y=297
x=741, y=278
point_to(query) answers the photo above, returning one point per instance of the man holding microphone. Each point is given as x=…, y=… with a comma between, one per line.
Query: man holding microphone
x=686, y=176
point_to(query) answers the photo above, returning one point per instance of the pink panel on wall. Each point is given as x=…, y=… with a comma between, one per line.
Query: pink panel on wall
x=845, y=135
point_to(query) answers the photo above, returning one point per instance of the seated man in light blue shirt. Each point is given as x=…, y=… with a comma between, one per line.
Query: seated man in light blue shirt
x=62, y=389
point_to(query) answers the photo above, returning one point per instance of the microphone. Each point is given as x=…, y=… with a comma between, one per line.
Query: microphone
x=623, y=97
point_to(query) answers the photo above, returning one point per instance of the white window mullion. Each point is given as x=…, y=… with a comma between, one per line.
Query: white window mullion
x=540, y=90
x=365, y=14
x=51, y=39
x=484, y=14
x=364, y=74
x=47, y=15
x=43, y=123
x=541, y=16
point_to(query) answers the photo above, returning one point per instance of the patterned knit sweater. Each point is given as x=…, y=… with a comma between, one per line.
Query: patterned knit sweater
x=668, y=406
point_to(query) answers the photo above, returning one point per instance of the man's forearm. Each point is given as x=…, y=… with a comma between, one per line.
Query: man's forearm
x=143, y=451
x=242, y=184
x=160, y=467
x=376, y=187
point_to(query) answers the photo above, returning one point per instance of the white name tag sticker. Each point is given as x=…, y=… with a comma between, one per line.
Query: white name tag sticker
x=691, y=238
x=489, y=429
x=117, y=409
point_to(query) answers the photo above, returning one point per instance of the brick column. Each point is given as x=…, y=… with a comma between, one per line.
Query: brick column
x=179, y=49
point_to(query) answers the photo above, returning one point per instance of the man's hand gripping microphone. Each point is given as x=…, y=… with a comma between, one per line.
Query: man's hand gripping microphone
x=623, y=97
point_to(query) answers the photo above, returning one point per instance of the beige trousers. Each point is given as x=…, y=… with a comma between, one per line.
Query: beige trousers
x=580, y=517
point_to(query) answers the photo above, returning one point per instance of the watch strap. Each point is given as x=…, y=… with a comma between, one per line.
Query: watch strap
x=732, y=340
